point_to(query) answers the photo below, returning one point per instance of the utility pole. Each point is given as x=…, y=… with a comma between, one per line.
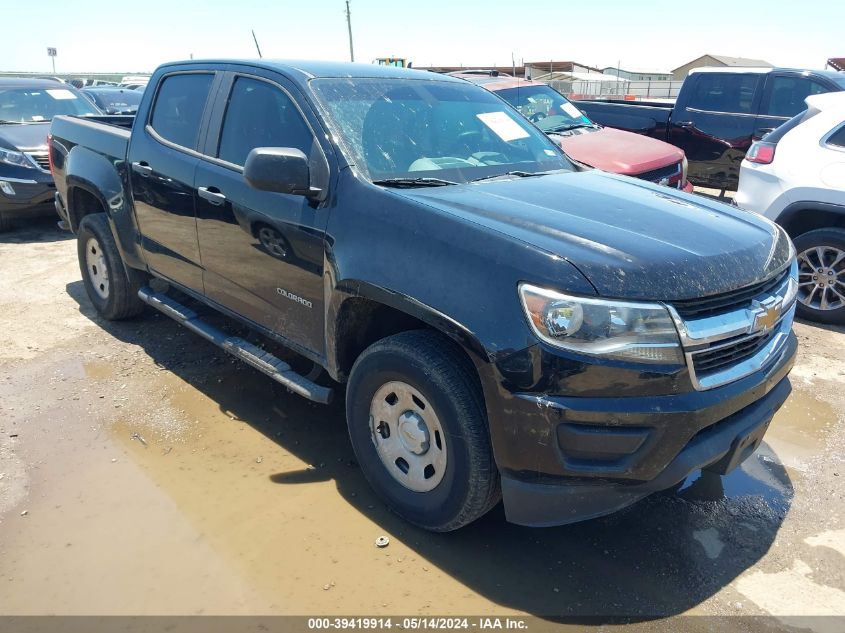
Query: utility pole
x=349, y=26
x=255, y=39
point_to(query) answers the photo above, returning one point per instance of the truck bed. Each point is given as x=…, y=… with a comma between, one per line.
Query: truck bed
x=649, y=118
x=106, y=135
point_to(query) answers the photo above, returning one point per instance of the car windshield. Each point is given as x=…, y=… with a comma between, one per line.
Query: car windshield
x=36, y=105
x=432, y=132
x=116, y=100
x=546, y=107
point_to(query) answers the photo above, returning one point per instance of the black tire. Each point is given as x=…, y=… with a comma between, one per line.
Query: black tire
x=830, y=239
x=5, y=223
x=435, y=367
x=122, y=284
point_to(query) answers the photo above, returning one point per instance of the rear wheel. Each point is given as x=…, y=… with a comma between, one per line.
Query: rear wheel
x=111, y=286
x=821, y=275
x=417, y=422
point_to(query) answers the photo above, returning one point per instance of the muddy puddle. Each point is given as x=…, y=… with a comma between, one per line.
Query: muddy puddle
x=207, y=488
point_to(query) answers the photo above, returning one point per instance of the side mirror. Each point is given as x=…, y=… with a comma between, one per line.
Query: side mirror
x=279, y=169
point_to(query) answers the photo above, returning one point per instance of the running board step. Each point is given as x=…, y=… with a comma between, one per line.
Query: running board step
x=263, y=361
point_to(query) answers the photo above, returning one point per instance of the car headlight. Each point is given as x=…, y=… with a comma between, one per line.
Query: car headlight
x=620, y=330
x=18, y=159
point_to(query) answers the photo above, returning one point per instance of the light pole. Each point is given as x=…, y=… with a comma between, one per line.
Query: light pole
x=349, y=26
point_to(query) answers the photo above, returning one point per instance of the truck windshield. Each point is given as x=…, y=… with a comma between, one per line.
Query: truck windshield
x=546, y=107
x=36, y=105
x=432, y=132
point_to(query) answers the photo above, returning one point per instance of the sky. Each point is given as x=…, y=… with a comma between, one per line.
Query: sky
x=99, y=36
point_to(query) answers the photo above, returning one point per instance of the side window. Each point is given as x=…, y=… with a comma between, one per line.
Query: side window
x=179, y=105
x=837, y=139
x=725, y=92
x=787, y=94
x=258, y=114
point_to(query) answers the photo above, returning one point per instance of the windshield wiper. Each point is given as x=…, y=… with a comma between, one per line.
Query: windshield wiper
x=413, y=182
x=569, y=126
x=521, y=174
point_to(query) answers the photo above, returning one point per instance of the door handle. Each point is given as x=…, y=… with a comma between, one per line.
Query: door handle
x=142, y=168
x=212, y=194
x=685, y=124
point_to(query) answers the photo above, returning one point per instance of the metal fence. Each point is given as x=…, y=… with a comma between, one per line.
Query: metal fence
x=629, y=90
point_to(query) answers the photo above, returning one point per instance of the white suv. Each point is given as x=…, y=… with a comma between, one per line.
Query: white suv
x=796, y=177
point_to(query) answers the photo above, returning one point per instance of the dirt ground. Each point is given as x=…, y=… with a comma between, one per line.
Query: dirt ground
x=142, y=471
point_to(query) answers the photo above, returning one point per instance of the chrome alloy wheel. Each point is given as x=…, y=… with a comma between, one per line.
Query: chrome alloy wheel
x=408, y=436
x=273, y=242
x=98, y=272
x=821, y=278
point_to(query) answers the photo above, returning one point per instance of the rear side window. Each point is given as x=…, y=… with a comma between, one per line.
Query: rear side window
x=179, y=106
x=260, y=115
x=787, y=94
x=837, y=139
x=725, y=92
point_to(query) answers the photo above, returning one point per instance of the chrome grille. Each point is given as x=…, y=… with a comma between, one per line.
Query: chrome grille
x=731, y=353
x=41, y=159
x=726, y=301
x=668, y=173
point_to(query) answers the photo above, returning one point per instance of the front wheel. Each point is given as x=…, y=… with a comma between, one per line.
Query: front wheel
x=111, y=286
x=418, y=426
x=821, y=275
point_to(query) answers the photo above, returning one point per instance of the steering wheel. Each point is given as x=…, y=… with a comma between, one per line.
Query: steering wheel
x=537, y=116
x=467, y=140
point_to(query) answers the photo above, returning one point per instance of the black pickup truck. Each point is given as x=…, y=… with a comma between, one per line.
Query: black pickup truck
x=718, y=114
x=504, y=323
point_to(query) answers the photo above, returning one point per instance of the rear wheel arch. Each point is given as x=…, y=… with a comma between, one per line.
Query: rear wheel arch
x=82, y=201
x=802, y=217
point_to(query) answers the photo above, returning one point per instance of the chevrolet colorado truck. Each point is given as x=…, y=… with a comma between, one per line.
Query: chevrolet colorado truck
x=503, y=324
x=718, y=114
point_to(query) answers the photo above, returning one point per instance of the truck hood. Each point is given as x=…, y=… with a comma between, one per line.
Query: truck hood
x=630, y=238
x=619, y=152
x=24, y=136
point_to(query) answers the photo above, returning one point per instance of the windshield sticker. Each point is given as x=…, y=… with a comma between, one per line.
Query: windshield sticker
x=61, y=94
x=503, y=126
x=572, y=111
x=549, y=152
x=37, y=117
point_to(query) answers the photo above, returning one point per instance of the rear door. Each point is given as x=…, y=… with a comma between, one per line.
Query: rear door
x=714, y=125
x=783, y=98
x=262, y=251
x=162, y=160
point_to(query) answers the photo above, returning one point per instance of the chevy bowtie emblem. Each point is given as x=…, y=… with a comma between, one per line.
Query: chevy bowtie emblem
x=767, y=313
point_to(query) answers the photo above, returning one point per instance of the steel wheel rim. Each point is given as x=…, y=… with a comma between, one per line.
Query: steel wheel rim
x=272, y=241
x=821, y=278
x=408, y=436
x=98, y=272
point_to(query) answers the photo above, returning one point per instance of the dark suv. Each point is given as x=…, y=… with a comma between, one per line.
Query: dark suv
x=26, y=108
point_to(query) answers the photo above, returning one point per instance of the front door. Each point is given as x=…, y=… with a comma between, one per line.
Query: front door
x=262, y=252
x=162, y=157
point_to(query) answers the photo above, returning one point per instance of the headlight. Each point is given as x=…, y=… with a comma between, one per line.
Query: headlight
x=621, y=330
x=18, y=159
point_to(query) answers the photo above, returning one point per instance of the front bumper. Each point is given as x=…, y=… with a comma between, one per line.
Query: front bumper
x=565, y=459
x=24, y=195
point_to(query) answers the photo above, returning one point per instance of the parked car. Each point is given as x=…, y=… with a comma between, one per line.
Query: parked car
x=506, y=323
x=587, y=142
x=718, y=114
x=26, y=108
x=114, y=100
x=795, y=176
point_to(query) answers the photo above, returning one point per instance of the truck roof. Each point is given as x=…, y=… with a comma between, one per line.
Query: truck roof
x=832, y=74
x=303, y=70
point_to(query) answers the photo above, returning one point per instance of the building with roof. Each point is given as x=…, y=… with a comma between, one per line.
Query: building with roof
x=638, y=75
x=836, y=63
x=718, y=60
